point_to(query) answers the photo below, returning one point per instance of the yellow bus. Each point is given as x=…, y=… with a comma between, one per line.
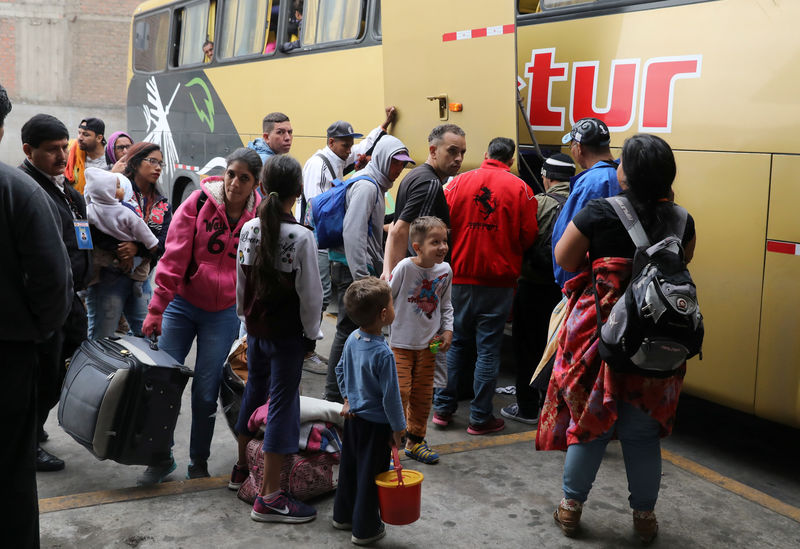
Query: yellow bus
x=713, y=77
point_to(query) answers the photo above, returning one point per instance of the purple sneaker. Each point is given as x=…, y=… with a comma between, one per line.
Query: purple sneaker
x=282, y=509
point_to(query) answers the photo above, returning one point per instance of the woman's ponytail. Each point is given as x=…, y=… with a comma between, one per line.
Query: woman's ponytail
x=282, y=179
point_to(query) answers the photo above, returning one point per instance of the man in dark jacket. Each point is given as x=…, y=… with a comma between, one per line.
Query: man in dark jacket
x=45, y=142
x=37, y=290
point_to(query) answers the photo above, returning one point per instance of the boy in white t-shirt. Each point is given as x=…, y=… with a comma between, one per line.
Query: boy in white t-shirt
x=423, y=326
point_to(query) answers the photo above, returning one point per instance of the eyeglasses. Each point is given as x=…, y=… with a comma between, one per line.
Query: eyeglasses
x=154, y=161
x=122, y=147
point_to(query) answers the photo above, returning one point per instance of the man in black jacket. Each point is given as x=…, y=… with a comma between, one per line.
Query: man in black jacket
x=45, y=142
x=36, y=281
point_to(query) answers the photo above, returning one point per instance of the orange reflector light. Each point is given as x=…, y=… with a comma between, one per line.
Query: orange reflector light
x=456, y=107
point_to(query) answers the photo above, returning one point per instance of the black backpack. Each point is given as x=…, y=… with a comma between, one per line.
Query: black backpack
x=656, y=325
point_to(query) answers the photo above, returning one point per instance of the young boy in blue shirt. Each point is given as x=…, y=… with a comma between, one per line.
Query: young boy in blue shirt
x=367, y=378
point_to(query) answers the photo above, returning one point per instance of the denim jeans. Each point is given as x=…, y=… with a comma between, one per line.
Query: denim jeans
x=215, y=332
x=109, y=298
x=641, y=450
x=274, y=368
x=341, y=278
x=480, y=317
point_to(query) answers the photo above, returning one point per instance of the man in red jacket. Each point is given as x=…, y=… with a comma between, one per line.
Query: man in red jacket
x=493, y=221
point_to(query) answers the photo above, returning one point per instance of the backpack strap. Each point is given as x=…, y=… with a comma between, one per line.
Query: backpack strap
x=560, y=198
x=626, y=213
x=201, y=200
x=327, y=165
x=679, y=223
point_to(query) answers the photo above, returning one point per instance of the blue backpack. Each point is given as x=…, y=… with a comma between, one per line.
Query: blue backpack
x=327, y=212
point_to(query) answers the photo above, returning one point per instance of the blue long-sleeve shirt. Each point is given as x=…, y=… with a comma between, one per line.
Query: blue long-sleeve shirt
x=367, y=378
x=599, y=181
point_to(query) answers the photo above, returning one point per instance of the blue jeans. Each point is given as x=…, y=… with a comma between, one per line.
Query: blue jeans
x=215, y=332
x=480, y=317
x=641, y=450
x=109, y=298
x=274, y=368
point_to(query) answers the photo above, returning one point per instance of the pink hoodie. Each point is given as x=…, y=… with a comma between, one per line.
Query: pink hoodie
x=199, y=263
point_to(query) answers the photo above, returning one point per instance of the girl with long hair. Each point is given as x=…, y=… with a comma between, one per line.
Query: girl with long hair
x=279, y=298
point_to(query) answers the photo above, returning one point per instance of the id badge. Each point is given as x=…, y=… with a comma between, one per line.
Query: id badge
x=83, y=234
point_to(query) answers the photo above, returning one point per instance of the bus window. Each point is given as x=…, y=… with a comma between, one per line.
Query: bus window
x=191, y=28
x=528, y=6
x=150, y=39
x=332, y=21
x=271, y=38
x=378, y=31
x=244, y=24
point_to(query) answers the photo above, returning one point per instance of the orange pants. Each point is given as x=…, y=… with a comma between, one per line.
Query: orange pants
x=415, y=376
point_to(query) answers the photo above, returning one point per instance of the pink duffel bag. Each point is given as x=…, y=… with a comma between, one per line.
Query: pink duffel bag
x=304, y=475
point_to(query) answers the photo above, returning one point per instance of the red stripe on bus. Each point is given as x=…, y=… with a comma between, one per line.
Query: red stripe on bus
x=448, y=36
x=781, y=247
x=508, y=29
x=479, y=33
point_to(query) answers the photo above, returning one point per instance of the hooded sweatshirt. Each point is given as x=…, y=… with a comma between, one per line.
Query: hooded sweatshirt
x=199, y=263
x=365, y=206
x=105, y=212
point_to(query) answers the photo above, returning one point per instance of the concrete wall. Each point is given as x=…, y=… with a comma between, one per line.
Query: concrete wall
x=67, y=58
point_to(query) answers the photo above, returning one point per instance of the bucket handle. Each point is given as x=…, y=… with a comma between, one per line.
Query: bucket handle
x=397, y=467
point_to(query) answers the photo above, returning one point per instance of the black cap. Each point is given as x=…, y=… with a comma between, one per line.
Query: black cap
x=589, y=131
x=93, y=125
x=340, y=128
x=558, y=167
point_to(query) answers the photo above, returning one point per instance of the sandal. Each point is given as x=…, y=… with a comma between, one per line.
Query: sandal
x=422, y=453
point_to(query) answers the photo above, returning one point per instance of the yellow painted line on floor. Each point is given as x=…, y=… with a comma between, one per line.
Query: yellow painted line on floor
x=482, y=442
x=748, y=493
x=90, y=499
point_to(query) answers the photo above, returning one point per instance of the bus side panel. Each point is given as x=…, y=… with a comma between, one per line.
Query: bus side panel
x=313, y=90
x=727, y=194
x=778, y=381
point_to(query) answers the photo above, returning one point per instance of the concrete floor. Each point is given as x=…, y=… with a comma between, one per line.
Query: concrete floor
x=479, y=495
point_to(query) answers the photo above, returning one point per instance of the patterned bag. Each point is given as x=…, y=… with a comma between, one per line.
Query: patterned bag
x=304, y=475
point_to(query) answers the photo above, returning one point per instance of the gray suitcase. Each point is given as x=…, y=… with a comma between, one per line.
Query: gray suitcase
x=121, y=398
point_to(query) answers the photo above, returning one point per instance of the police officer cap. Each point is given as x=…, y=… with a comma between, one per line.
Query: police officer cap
x=589, y=131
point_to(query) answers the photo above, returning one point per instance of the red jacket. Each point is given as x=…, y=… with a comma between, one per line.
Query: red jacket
x=492, y=221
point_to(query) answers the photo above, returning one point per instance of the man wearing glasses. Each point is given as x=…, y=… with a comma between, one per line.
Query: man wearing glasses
x=45, y=141
x=589, y=145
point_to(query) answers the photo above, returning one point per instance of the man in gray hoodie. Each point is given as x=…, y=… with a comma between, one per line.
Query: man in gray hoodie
x=362, y=253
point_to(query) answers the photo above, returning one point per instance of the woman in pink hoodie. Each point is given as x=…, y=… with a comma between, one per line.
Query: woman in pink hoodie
x=196, y=293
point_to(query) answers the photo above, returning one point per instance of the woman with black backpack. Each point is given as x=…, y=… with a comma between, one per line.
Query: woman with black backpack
x=588, y=402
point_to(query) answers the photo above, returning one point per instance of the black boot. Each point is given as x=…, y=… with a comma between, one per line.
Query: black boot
x=46, y=461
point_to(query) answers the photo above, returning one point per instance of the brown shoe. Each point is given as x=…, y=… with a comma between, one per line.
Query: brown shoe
x=645, y=525
x=568, y=516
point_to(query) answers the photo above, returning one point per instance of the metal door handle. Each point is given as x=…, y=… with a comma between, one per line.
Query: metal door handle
x=442, y=99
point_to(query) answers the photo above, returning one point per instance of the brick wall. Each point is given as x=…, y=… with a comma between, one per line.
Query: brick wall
x=8, y=64
x=92, y=42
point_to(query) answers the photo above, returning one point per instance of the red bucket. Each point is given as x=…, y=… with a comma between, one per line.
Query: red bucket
x=399, y=493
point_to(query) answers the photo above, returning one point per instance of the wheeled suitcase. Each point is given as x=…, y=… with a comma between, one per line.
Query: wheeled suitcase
x=121, y=398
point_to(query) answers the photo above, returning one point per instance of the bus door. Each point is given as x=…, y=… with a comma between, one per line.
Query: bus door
x=451, y=62
x=778, y=376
